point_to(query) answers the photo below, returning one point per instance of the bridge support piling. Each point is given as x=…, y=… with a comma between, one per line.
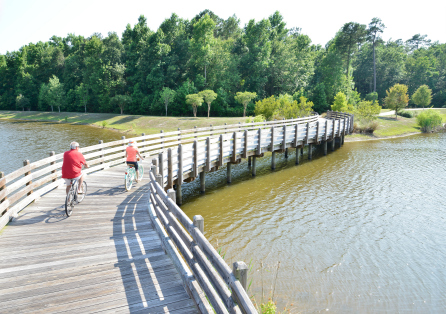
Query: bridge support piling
x=333, y=144
x=249, y=161
x=286, y=153
x=273, y=161
x=228, y=173
x=253, y=166
x=202, y=182
x=302, y=150
x=297, y=155
x=325, y=147
x=310, y=151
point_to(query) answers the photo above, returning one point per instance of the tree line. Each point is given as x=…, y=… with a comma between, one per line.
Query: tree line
x=173, y=70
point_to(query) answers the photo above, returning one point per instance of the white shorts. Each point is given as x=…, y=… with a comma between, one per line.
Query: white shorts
x=68, y=181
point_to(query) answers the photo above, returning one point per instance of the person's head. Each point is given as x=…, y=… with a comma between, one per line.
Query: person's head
x=74, y=145
x=132, y=143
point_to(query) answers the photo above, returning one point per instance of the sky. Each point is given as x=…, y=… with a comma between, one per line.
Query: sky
x=29, y=21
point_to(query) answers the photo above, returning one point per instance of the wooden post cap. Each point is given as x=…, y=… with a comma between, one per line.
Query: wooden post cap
x=240, y=270
x=171, y=194
x=159, y=179
x=199, y=222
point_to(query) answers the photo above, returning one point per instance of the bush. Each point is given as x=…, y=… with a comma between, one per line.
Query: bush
x=366, y=128
x=406, y=114
x=259, y=118
x=429, y=120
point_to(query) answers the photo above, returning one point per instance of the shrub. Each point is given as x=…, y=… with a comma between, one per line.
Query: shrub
x=405, y=114
x=259, y=118
x=104, y=124
x=429, y=120
x=367, y=128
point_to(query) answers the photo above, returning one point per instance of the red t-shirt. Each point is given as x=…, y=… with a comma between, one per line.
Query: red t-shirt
x=72, y=164
x=131, y=153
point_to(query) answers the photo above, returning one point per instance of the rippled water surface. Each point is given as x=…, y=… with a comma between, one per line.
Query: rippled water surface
x=361, y=230
x=22, y=140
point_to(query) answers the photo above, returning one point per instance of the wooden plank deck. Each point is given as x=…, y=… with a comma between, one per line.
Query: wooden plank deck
x=106, y=257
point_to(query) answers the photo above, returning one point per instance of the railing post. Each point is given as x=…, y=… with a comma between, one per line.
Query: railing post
x=169, y=169
x=225, y=127
x=162, y=137
x=195, y=156
x=26, y=163
x=273, y=154
x=199, y=223
x=161, y=164
x=259, y=144
x=2, y=175
x=171, y=194
x=180, y=175
x=123, y=145
x=155, y=163
x=325, y=137
x=221, y=151
x=240, y=270
x=159, y=180
x=208, y=154
x=179, y=135
x=296, y=135
x=284, y=140
x=52, y=163
x=101, y=149
x=234, y=147
x=333, y=136
x=308, y=133
x=195, y=127
x=211, y=130
x=317, y=132
x=245, y=151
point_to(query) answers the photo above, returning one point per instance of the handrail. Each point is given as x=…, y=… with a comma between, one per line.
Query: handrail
x=182, y=155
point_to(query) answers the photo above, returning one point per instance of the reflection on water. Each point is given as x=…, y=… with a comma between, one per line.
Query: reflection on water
x=23, y=140
x=360, y=230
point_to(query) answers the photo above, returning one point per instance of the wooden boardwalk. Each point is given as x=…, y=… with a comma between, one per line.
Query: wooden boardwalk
x=106, y=257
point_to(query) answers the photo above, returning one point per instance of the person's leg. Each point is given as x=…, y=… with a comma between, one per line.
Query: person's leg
x=137, y=173
x=68, y=188
x=79, y=187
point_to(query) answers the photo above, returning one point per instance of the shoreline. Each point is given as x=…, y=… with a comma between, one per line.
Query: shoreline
x=373, y=138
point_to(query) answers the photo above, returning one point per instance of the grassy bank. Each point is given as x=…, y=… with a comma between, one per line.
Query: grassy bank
x=388, y=127
x=128, y=124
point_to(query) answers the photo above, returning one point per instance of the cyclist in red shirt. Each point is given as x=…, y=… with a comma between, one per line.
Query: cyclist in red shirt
x=130, y=153
x=72, y=166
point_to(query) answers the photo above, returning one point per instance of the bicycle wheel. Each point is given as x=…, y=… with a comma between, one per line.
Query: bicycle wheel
x=140, y=171
x=80, y=197
x=128, y=181
x=69, y=203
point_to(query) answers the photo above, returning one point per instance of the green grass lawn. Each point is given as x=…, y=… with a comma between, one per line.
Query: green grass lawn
x=129, y=124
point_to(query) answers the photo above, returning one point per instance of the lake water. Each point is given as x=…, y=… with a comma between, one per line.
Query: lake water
x=21, y=140
x=361, y=230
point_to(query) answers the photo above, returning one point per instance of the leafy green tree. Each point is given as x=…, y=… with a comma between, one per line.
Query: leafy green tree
x=397, y=98
x=320, y=98
x=417, y=41
x=244, y=98
x=376, y=27
x=373, y=97
x=340, y=103
x=121, y=101
x=348, y=39
x=429, y=120
x=167, y=96
x=423, y=96
x=22, y=102
x=195, y=101
x=56, y=93
x=368, y=110
x=268, y=107
x=202, y=43
x=82, y=96
x=208, y=96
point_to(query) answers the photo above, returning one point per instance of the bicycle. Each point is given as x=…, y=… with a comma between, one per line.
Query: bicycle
x=130, y=175
x=73, y=196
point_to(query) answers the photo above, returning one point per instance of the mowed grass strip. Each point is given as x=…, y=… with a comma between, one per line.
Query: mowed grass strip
x=129, y=124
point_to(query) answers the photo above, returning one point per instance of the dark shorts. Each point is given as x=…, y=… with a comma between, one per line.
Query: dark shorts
x=133, y=163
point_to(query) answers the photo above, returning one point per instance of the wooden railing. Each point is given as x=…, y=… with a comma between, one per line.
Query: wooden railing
x=182, y=156
x=206, y=273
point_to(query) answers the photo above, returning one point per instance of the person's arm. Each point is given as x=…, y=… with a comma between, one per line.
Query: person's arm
x=85, y=162
x=137, y=152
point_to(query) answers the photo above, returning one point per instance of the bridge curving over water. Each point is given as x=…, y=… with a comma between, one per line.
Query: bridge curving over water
x=136, y=251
